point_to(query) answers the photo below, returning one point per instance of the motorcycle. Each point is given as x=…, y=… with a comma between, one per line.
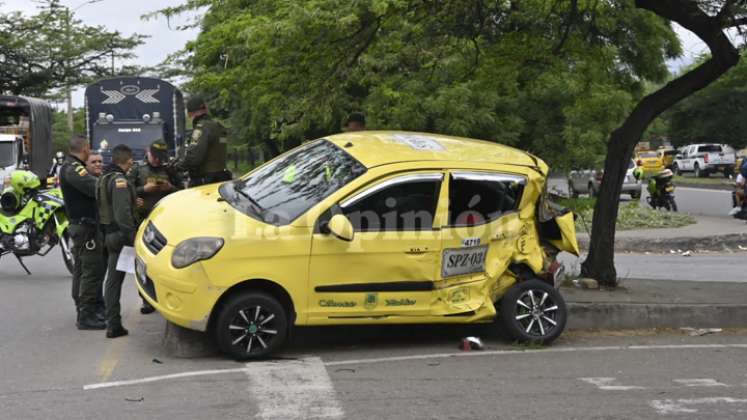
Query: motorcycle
x=33, y=221
x=661, y=191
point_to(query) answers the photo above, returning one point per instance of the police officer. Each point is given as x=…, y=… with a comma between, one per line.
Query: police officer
x=205, y=158
x=118, y=219
x=79, y=190
x=152, y=181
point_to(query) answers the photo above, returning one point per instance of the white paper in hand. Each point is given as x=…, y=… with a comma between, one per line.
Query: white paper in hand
x=126, y=261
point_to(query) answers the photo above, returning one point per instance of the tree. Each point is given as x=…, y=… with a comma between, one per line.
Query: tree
x=52, y=50
x=512, y=72
x=708, y=19
x=717, y=113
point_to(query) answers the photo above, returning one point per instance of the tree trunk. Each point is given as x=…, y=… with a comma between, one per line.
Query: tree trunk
x=600, y=262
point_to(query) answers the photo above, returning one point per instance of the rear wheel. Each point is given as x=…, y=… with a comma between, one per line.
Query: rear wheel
x=592, y=190
x=66, y=246
x=533, y=311
x=636, y=195
x=571, y=191
x=728, y=172
x=251, y=325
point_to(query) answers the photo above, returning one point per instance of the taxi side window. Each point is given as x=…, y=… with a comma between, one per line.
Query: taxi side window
x=409, y=205
x=475, y=199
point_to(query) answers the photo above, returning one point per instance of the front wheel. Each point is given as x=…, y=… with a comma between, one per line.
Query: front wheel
x=533, y=311
x=251, y=325
x=672, y=204
x=66, y=245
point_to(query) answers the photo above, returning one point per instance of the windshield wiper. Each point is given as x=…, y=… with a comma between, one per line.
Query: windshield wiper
x=257, y=208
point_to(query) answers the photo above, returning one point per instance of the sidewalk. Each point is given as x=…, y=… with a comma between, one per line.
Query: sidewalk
x=638, y=304
x=709, y=233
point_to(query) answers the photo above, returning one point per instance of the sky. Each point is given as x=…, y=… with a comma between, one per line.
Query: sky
x=124, y=16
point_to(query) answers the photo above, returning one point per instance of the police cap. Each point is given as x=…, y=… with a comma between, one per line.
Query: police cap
x=159, y=149
x=195, y=103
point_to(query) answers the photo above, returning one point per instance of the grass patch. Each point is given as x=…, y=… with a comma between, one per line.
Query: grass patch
x=633, y=215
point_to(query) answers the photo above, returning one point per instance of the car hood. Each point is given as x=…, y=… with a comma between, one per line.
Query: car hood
x=198, y=212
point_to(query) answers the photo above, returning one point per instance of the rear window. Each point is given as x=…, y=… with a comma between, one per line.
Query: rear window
x=476, y=198
x=711, y=148
x=647, y=154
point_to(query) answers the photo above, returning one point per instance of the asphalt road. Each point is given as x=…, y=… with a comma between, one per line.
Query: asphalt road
x=697, y=201
x=48, y=369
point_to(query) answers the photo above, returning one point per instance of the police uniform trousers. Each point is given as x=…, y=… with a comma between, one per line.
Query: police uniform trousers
x=89, y=268
x=115, y=241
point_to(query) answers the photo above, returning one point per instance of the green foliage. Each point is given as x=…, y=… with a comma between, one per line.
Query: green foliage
x=52, y=49
x=718, y=113
x=553, y=78
x=60, y=132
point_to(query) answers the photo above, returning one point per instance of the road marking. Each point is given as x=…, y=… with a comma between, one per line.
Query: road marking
x=162, y=378
x=295, y=389
x=707, y=382
x=605, y=384
x=111, y=358
x=680, y=406
x=434, y=356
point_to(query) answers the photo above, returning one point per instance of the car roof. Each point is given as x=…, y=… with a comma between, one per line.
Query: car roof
x=376, y=148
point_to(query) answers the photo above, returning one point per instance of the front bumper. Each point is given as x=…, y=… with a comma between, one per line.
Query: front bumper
x=183, y=296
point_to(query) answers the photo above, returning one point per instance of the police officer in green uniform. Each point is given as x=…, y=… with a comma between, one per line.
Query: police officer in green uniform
x=153, y=180
x=79, y=190
x=205, y=158
x=117, y=216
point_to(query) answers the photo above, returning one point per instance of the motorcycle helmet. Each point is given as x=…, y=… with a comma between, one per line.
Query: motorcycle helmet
x=59, y=157
x=23, y=181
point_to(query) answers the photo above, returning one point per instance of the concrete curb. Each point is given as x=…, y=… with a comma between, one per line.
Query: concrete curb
x=717, y=243
x=583, y=316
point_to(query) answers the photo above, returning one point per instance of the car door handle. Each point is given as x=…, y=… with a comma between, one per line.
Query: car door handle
x=416, y=251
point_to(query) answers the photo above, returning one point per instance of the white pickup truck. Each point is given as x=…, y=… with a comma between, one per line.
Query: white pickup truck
x=705, y=159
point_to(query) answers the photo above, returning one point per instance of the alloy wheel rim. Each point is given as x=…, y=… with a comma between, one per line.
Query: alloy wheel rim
x=253, y=329
x=536, y=313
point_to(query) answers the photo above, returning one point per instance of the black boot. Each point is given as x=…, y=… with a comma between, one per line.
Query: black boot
x=90, y=322
x=116, y=331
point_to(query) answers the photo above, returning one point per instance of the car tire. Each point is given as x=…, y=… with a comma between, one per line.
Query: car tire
x=672, y=205
x=592, y=190
x=696, y=171
x=533, y=311
x=676, y=170
x=571, y=191
x=251, y=325
x=728, y=173
x=635, y=195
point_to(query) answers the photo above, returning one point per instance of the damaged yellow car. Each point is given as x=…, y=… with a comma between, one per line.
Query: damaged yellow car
x=361, y=228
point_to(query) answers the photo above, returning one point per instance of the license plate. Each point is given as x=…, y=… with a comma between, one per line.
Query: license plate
x=460, y=261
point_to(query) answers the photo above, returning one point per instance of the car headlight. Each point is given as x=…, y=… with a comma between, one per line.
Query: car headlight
x=196, y=249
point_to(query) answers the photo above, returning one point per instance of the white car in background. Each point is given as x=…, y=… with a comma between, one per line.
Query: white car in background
x=587, y=181
x=705, y=159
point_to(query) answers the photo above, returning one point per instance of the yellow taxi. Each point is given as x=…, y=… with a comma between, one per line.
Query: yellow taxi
x=649, y=161
x=666, y=156
x=361, y=228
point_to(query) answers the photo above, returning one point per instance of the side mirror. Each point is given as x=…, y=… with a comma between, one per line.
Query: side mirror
x=340, y=226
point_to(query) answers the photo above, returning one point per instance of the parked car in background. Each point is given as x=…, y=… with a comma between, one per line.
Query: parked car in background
x=649, y=161
x=666, y=156
x=587, y=181
x=705, y=159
